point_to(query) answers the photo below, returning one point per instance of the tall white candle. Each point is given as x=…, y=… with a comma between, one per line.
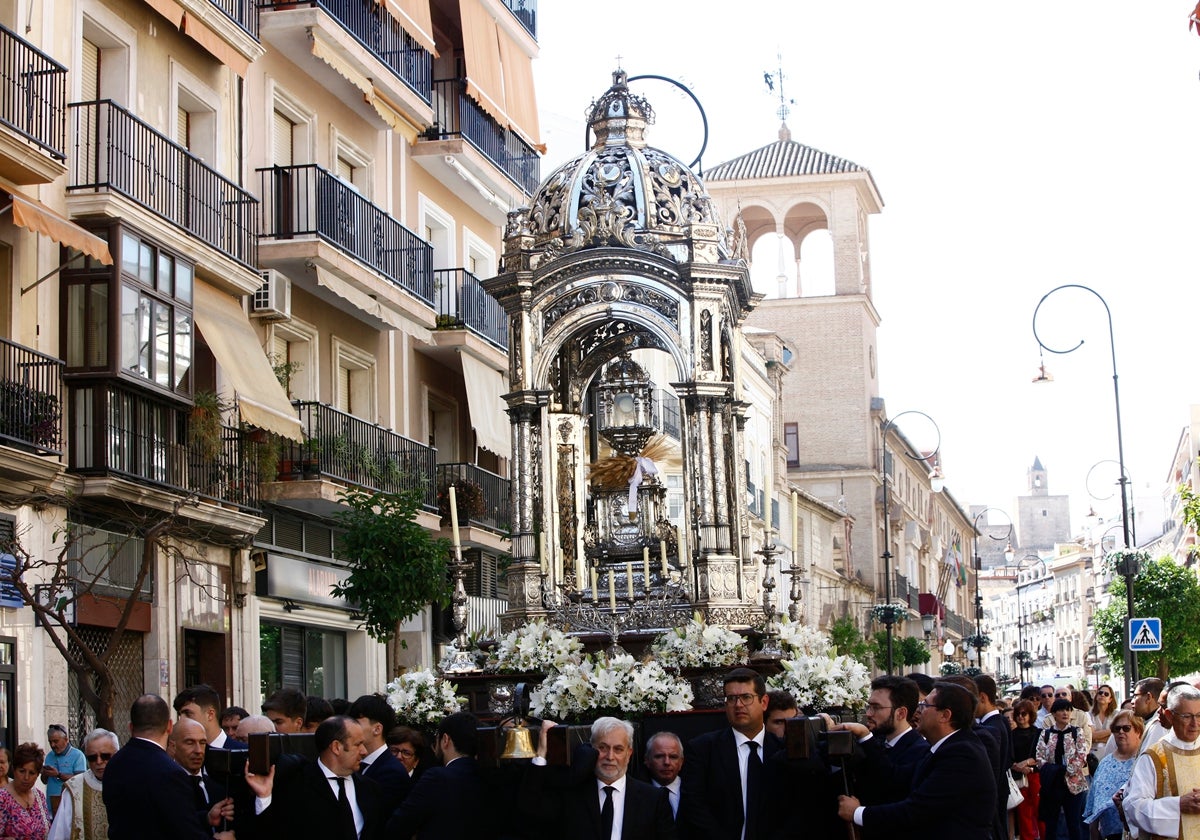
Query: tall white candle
x=454, y=517
x=662, y=550
x=542, y=553
x=683, y=549
x=795, y=528
x=595, y=586
x=629, y=580
x=646, y=569
x=612, y=590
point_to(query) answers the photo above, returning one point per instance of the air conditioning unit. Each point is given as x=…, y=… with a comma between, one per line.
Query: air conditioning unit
x=273, y=300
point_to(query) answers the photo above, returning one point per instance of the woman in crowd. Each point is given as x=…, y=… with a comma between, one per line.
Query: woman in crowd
x=408, y=745
x=1101, y=715
x=23, y=812
x=1024, y=742
x=1113, y=771
x=1062, y=762
x=5, y=765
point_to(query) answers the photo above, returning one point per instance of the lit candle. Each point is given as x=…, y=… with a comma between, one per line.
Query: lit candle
x=662, y=549
x=542, y=552
x=629, y=579
x=612, y=590
x=595, y=587
x=454, y=517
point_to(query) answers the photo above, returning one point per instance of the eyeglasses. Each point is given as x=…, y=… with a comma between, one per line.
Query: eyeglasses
x=1184, y=718
x=875, y=707
x=1124, y=727
x=1047, y=694
x=1104, y=693
x=740, y=699
x=98, y=756
x=922, y=706
x=406, y=753
x=1062, y=695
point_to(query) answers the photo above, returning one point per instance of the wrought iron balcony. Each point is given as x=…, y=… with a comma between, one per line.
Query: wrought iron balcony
x=33, y=94
x=482, y=495
x=307, y=200
x=457, y=115
x=242, y=12
x=666, y=413
x=462, y=302
x=526, y=12
x=350, y=450
x=115, y=151
x=372, y=25
x=119, y=431
x=31, y=409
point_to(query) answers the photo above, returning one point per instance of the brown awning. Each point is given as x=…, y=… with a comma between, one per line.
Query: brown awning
x=519, y=99
x=414, y=18
x=36, y=217
x=215, y=45
x=261, y=400
x=481, y=54
x=169, y=9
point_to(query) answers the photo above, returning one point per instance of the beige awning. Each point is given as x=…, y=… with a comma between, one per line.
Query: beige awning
x=519, y=99
x=414, y=18
x=489, y=414
x=215, y=45
x=36, y=217
x=262, y=401
x=481, y=54
x=169, y=9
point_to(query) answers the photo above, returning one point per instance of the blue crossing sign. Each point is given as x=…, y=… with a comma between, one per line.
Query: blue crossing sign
x=1145, y=634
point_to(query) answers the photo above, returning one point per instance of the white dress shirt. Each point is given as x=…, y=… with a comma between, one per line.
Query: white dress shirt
x=858, y=812
x=618, y=803
x=672, y=793
x=371, y=759
x=218, y=743
x=743, y=754
x=1142, y=809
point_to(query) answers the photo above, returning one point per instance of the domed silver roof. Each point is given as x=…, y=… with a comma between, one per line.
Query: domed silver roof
x=621, y=192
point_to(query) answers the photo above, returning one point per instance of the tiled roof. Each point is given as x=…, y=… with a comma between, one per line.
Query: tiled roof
x=781, y=159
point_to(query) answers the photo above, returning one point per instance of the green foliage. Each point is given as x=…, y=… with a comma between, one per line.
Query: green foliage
x=1163, y=589
x=847, y=639
x=906, y=650
x=396, y=566
x=1191, y=512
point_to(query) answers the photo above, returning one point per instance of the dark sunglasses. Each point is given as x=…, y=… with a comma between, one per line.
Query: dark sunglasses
x=1104, y=693
x=98, y=756
x=1125, y=727
x=1044, y=694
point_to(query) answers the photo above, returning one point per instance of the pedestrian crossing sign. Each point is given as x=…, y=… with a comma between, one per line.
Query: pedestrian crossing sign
x=1145, y=634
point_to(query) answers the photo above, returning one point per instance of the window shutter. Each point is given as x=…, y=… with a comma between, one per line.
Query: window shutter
x=283, y=131
x=89, y=73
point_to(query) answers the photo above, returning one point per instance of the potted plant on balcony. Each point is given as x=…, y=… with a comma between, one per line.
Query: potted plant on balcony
x=204, y=430
x=469, y=496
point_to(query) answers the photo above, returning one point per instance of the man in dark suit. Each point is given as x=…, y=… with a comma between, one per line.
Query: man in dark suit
x=147, y=795
x=725, y=778
x=376, y=718
x=448, y=802
x=325, y=797
x=664, y=760
x=186, y=744
x=889, y=748
x=953, y=789
x=606, y=803
x=202, y=704
x=990, y=717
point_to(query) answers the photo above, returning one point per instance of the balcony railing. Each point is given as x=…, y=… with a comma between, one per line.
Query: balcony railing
x=666, y=413
x=116, y=151
x=372, y=25
x=457, y=115
x=242, y=12
x=31, y=410
x=482, y=495
x=310, y=201
x=483, y=614
x=462, y=302
x=526, y=12
x=348, y=449
x=33, y=94
x=120, y=431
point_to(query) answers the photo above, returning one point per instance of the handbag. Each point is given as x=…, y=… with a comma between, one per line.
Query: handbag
x=1015, y=797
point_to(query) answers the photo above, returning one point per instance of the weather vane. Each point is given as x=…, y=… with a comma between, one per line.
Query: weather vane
x=777, y=78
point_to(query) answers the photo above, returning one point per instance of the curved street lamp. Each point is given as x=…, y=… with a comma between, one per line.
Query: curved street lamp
x=935, y=484
x=978, y=563
x=1024, y=660
x=1123, y=480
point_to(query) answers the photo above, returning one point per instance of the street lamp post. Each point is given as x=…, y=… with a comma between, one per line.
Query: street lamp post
x=1024, y=662
x=978, y=563
x=1123, y=480
x=935, y=484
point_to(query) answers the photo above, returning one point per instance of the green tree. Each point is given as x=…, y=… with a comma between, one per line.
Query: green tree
x=848, y=639
x=906, y=650
x=1162, y=589
x=396, y=566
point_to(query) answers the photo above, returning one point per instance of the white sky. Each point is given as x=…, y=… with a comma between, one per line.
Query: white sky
x=1017, y=147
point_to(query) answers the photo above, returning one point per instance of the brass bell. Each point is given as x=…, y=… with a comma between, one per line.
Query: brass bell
x=518, y=743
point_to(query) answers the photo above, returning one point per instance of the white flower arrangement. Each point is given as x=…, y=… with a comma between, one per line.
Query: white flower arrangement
x=699, y=645
x=618, y=684
x=823, y=681
x=535, y=648
x=421, y=698
x=798, y=639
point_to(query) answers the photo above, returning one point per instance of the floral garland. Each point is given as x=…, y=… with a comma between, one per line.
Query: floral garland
x=893, y=613
x=421, y=698
x=822, y=681
x=611, y=684
x=948, y=668
x=977, y=640
x=535, y=648
x=699, y=645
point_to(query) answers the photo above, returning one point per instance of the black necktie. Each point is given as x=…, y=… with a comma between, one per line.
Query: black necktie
x=198, y=792
x=345, y=815
x=754, y=775
x=606, y=814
